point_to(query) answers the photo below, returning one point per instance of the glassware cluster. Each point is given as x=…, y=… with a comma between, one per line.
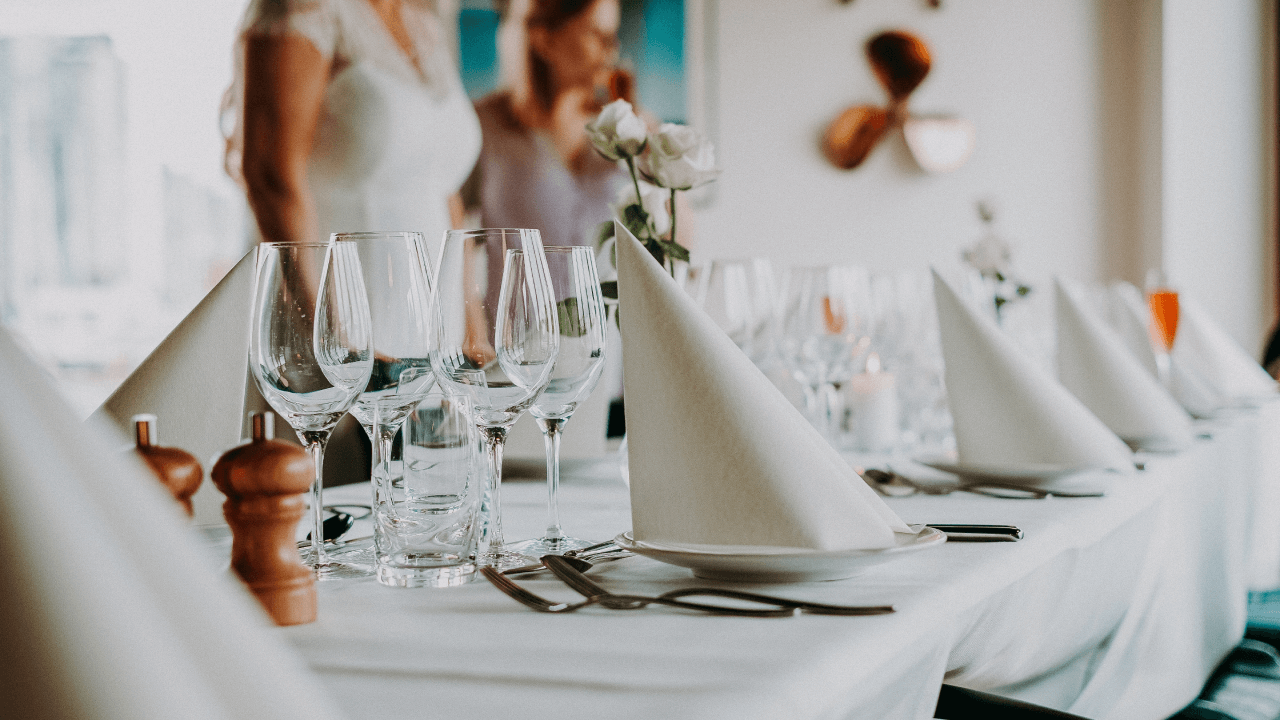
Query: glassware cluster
x=365, y=324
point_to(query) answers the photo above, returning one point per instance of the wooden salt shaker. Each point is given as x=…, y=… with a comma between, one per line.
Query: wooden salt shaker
x=265, y=481
x=178, y=470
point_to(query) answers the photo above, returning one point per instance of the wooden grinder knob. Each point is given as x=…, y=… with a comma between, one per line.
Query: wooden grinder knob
x=178, y=470
x=265, y=481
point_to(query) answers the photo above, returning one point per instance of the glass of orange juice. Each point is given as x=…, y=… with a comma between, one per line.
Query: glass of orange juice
x=1162, y=298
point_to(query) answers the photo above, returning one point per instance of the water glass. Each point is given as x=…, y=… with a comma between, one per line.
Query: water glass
x=426, y=527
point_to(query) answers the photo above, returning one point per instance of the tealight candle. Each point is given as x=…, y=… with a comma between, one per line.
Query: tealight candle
x=872, y=397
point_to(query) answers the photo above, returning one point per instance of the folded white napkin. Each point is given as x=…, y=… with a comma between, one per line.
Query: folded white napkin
x=1202, y=345
x=1008, y=412
x=197, y=384
x=717, y=455
x=1095, y=365
x=111, y=609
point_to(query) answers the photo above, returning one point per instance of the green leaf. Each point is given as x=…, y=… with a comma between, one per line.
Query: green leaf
x=655, y=249
x=609, y=289
x=571, y=324
x=675, y=250
x=636, y=219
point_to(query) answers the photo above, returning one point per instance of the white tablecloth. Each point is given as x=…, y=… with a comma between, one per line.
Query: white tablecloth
x=1114, y=607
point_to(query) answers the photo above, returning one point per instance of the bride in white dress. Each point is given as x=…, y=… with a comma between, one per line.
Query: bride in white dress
x=348, y=115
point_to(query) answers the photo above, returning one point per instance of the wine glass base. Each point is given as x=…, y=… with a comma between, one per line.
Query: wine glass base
x=343, y=560
x=549, y=546
x=504, y=559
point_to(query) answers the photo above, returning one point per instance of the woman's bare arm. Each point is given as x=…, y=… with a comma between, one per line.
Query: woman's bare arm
x=285, y=78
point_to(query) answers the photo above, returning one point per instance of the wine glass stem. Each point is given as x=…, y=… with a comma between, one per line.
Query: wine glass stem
x=551, y=428
x=315, y=448
x=494, y=438
x=1164, y=369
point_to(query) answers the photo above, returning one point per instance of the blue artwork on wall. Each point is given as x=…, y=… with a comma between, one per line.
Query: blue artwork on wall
x=651, y=39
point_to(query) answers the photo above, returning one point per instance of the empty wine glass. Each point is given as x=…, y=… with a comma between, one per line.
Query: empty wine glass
x=397, y=275
x=499, y=355
x=310, y=352
x=823, y=334
x=578, y=364
x=740, y=297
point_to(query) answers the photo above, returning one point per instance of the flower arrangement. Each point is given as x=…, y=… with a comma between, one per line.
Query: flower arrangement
x=673, y=158
x=992, y=257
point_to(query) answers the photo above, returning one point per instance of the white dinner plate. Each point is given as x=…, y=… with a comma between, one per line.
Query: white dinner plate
x=1036, y=476
x=782, y=566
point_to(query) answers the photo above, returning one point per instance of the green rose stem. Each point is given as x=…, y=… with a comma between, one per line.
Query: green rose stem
x=672, y=264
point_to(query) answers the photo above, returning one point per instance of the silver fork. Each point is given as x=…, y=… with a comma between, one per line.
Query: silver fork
x=526, y=598
x=570, y=571
x=618, y=602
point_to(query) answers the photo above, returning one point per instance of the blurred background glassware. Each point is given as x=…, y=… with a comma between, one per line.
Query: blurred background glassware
x=1162, y=299
x=578, y=364
x=499, y=357
x=741, y=297
x=397, y=276
x=425, y=518
x=310, y=351
x=823, y=335
x=909, y=345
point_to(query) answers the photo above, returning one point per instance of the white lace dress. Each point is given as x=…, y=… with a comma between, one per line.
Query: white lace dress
x=395, y=138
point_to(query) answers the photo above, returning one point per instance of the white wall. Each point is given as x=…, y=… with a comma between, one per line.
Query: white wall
x=1217, y=158
x=1061, y=94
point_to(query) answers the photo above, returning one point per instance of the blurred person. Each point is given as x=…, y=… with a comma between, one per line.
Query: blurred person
x=348, y=115
x=537, y=168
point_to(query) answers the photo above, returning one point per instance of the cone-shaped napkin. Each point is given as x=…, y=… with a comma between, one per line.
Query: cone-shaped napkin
x=194, y=382
x=110, y=608
x=1131, y=317
x=197, y=384
x=717, y=455
x=1095, y=365
x=1008, y=412
x=1201, y=344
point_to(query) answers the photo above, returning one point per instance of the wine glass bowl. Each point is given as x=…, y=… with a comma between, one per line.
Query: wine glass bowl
x=310, y=351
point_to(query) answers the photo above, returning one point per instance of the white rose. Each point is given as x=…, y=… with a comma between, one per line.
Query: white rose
x=679, y=158
x=652, y=199
x=617, y=132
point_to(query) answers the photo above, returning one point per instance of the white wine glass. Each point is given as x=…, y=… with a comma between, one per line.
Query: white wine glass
x=740, y=296
x=823, y=334
x=310, y=353
x=397, y=276
x=581, y=315
x=499, y=354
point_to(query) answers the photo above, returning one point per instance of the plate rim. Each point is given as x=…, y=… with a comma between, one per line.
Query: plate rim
x=925, y=538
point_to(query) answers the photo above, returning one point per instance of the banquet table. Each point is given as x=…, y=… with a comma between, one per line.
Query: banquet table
x=1111, y=607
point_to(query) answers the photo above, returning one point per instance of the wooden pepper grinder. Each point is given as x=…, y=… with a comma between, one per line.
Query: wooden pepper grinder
x=265, y=481
x=178, y=470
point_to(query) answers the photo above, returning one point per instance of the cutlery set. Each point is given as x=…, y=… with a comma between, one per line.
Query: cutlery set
x=571, y=568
